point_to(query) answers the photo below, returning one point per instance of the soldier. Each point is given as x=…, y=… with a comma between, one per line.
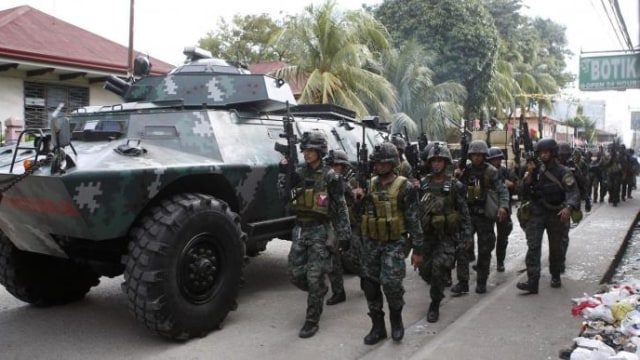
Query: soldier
x=479, y=179
x=598, y=180
x=564, y=153
x=613, y=166
x=503, y=228
x=390, y=210
x=318, y=202
x=584, y=182
x=403, y=168
x=446, y=223
x=339, y=162
x=553, y=192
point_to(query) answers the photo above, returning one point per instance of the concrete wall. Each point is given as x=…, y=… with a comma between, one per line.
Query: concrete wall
x=12, y=99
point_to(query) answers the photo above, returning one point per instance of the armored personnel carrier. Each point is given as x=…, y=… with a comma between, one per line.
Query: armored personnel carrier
x=174, y=188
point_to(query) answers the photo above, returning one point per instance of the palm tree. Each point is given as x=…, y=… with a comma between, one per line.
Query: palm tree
x=420, y=100
x=337, y=55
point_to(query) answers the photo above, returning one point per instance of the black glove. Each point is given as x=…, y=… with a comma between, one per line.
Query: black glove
x=344, y=245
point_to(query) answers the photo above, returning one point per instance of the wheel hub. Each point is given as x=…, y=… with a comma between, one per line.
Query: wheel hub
x=199, y=269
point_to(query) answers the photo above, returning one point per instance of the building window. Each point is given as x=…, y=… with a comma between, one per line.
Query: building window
x=40, y=100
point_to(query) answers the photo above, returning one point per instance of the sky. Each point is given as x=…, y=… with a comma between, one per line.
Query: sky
x=163, y=31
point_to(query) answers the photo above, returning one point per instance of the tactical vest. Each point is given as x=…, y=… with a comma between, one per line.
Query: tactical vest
x=312, y=199
x=383, y=219
x=438, y=208
x=477, y=185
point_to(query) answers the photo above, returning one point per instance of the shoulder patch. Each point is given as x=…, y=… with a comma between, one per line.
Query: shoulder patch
x=568, y=179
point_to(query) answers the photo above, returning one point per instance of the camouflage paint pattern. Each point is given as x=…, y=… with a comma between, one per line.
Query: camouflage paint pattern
x=440, y=246
x=310, y=258
x=383, y=263
x=188, y=132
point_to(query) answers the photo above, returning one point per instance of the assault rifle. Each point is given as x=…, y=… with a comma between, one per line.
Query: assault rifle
x=464, y=147
x=364, y=171
x=423, y=140
x=413, y=155
x=529, y=152
x=289, y=151
x=515, y=147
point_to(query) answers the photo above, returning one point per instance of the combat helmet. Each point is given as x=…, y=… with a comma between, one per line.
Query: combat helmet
x=338, y=157
x=495, y=153
x=478, y=147
x=385, y=152
x=547, y=144
x=399, y=142
x=424, y=155
x=438, y=151
x=564, y=148
x=314, y=140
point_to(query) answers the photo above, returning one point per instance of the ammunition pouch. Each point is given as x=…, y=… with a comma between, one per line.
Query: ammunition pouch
x=524, y=213
x=491, y=205
x=308, y=200
x=576, y=215
x=438, y=223
x=453, y=223
x=381, y=229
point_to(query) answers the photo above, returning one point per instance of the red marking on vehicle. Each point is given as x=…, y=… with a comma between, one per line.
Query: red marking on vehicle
x=42, y=206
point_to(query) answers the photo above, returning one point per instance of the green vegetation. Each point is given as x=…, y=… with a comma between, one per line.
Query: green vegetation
x=435, y=61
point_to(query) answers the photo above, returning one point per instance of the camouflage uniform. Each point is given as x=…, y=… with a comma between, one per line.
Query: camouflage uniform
x=478, y=180
x=390, y=210
x=446, y=225
x=553, y=188
x=503, y=229
x=614, y=167
x=351, y=257
x=598, y=178
x=564, y=151
x=319, y=203
x=403, y=168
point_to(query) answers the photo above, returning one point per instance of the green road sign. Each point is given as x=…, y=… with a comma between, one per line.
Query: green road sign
x=615, y=72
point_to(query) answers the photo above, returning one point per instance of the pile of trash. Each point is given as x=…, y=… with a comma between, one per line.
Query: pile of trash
x=611, y=329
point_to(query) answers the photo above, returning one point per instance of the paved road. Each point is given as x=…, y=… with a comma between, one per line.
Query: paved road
x=266, y=324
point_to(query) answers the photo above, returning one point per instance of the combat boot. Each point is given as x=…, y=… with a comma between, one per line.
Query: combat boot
x=309, y=329
x=500, y=266
x=337, y=298
x=530, y=286
x=378, y=330
x=462, y=287
x=555, y=281
x=481, y=286
x=397, y=328
x=434, y=312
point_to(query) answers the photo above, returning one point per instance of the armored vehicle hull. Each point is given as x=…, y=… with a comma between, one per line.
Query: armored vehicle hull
x=174, y=188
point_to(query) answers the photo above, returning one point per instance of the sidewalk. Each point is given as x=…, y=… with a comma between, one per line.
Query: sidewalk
x=509, y=325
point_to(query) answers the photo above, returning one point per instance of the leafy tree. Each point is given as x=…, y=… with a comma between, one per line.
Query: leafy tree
x=338, y=55
x=582, y=121
x=420, y=100
x=246, y=39
x=461, y=35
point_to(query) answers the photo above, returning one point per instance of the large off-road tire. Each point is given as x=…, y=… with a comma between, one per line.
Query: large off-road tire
x=43, y=280
x=184, y=264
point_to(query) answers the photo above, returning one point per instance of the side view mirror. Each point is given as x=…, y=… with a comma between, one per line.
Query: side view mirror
x=61, y=132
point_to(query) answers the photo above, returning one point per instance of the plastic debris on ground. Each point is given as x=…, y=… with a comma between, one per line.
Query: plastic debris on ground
x=611, y=326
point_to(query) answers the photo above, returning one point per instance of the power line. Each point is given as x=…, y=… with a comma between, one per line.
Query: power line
x=621, y=24
x=604, y=6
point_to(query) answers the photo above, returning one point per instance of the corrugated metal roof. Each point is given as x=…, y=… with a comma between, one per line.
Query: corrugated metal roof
x=29, y=34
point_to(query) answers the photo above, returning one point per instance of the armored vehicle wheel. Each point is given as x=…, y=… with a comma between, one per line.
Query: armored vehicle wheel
x=43, y=280
x=184, y=266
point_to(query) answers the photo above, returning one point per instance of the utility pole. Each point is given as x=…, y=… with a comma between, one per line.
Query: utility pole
x=130, y=55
